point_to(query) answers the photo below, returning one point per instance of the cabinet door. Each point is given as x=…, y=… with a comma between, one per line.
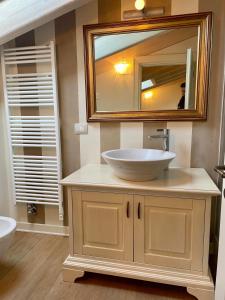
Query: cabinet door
x=103, y=224
x=169, y=232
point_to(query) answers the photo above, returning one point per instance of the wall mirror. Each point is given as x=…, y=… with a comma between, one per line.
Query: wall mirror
x=151, y=69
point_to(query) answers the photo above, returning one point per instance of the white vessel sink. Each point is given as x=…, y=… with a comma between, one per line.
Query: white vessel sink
x=138, y=164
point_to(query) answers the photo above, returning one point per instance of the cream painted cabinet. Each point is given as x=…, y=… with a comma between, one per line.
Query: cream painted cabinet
x=103, y=225
x=156, y=231
x=169, y=231
x=159, y=231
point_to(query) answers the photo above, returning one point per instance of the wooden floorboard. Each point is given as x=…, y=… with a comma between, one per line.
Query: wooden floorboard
x=31, y=270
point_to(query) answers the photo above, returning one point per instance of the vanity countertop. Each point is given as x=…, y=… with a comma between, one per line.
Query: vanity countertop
x=179, y=180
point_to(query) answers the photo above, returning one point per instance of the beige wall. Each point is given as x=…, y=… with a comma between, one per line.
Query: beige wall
x=122, y=86
x=208, y=139
x=207, y=135
x=166, y=96
x=131, y=133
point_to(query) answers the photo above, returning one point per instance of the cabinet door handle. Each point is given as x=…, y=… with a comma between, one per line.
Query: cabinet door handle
x=128, y=209
x=139, y=210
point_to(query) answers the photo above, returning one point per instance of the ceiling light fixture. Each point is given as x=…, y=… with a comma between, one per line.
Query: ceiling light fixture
x=143, y=11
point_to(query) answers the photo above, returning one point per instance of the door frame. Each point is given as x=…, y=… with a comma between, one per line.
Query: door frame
x=220, y=276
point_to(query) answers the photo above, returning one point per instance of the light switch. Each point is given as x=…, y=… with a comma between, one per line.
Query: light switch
x=80, y=128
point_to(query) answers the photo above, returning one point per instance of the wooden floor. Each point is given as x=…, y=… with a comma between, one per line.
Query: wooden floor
x=31, y=270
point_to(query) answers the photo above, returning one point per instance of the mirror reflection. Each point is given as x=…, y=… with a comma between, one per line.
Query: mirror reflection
x=146, y=71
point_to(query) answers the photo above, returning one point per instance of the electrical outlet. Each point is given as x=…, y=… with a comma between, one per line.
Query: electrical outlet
x=80, y=128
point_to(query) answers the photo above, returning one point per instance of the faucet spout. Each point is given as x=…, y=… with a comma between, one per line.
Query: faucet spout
x=163, y=134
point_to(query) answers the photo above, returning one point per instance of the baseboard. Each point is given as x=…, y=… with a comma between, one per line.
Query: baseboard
x=43, y=228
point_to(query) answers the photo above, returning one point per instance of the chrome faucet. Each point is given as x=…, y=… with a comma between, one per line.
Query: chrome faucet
x=163, y=134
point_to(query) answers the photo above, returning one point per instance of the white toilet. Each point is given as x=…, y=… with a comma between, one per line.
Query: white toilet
x=7, y=229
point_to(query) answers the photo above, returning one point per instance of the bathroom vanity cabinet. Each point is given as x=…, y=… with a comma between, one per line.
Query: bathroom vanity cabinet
x=156, y=231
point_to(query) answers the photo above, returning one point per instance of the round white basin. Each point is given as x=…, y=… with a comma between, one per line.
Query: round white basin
x=138, y=164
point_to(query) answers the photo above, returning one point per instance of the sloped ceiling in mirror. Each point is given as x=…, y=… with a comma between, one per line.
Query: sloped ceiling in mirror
x=110, y=44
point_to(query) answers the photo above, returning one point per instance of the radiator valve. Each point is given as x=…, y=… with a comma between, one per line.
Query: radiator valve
x=31, y=209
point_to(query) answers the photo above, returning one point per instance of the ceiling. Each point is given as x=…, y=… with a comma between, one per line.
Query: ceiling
x=161, y=41
x=20, y=16
x=164, y=74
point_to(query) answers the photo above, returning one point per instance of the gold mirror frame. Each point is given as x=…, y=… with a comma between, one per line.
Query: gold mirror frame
x=203, y=20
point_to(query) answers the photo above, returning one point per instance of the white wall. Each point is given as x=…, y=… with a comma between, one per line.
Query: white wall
x=4, y=188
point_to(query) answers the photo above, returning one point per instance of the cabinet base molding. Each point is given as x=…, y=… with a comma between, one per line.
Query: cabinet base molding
x=201, y=294
x=199, y=286
x=71, y=274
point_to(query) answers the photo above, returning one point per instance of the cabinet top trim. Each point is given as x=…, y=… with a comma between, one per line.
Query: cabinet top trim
x=180, y=180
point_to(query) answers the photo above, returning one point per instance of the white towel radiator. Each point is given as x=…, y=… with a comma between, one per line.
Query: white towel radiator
x=35, y=178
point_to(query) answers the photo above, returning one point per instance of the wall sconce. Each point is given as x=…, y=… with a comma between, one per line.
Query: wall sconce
x=142, y=11
x=148, y=95
x=139, y=4
x=121, y=68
